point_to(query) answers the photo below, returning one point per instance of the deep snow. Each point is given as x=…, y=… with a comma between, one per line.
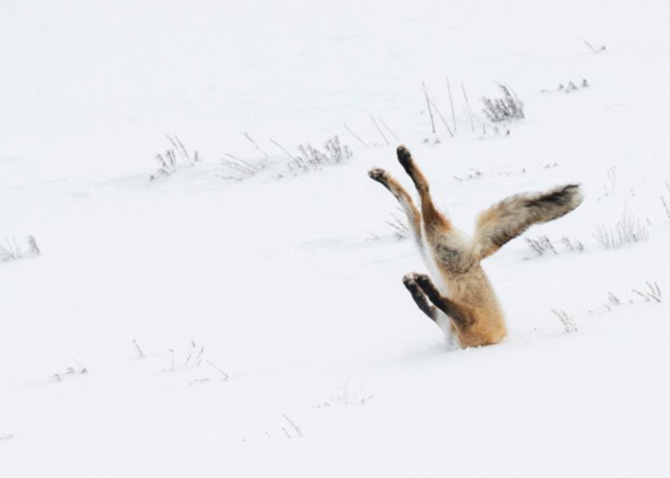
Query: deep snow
x=275, y=333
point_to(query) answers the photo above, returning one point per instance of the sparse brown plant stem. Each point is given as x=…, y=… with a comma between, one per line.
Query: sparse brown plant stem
x=292, y=424
x=12, y=249
x=265, y=155
x=389, y=130
x=356, y=136
x=138, y=349
x=568, y=324
x=665, y=205
x=381, y=133
x=467, y=103
x=442, y=118
x=169, y=164
x=590, y=47
x=223, y=374
x=430, y=110
x=286, y=151
x=179, y=146
x=451, y=104
x=654, y=293
x=241, y=165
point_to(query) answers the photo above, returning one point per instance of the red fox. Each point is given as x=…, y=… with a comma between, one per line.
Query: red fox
x=464, y=293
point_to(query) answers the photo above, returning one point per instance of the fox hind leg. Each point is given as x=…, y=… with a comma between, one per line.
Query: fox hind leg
x=459, y=314
x=405, y=200
x=446, y=242
x=434, y=222
x=419, y=297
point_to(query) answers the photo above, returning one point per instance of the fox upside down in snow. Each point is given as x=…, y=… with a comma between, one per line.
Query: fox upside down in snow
x=464, y=293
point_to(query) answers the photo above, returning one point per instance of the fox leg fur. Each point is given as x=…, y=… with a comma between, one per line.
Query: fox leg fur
x=419, y=297
x=434, y=222
x=459, y=314
x=448, y=247
x=405, y=200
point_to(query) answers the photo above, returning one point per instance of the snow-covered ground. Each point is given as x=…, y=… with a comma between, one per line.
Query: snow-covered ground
x=198, y=325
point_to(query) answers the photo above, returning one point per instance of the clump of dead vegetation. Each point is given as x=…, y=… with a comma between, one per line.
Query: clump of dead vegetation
x=652, y=293
x=306, y=158
x=12, y=248
x=542, y=245
x=173, y=159
x=627, y=230
x=505, y=108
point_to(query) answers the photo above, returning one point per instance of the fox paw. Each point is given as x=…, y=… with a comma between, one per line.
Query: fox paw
x=404, y=157
x=378, y=174
x=426, y=285
x=410, y=280
x=423, y=280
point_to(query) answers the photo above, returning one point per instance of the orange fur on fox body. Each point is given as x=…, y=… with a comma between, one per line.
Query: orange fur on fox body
x=464, y=293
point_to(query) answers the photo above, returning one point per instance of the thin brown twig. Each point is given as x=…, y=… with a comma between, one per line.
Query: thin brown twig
x=381, y=133
x=388, y=129
x=356, y=136
x=430, y=111
x=451, y=103
x=442, y=118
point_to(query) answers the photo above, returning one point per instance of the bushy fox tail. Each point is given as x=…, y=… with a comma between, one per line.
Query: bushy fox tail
x=510, y=217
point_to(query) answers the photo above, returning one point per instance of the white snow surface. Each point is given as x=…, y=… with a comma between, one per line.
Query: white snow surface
x=199, y=326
